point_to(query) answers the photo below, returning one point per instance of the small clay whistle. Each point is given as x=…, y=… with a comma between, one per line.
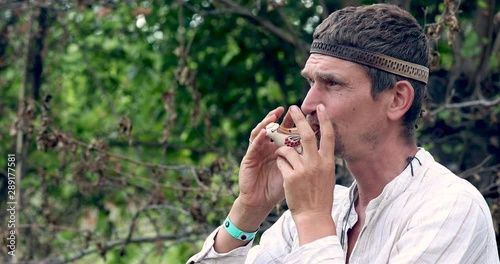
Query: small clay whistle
x=284, y=136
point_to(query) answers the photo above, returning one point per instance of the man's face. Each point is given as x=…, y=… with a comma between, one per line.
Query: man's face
x=344, y=88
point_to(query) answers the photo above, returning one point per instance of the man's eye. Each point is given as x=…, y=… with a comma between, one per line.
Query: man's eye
x=332, y=83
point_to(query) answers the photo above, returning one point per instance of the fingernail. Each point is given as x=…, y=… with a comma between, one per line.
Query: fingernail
x=294, y=108
x=321, y=108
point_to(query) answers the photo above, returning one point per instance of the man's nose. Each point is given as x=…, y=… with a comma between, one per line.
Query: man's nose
x=311, y=101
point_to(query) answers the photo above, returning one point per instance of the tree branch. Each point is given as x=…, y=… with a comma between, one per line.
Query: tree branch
x=52, y=5
x=183, y=237
x=166, y=186
x=474, y=169
x=155, y=144
x=466, y=104
x=137, y=162
x=244, y=12
x=136, y=216
x=485, y=29
x=25, y=114
x=293, y=33
x=496, y=45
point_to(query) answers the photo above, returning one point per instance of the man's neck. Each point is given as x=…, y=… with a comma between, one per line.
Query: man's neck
x=374, y=171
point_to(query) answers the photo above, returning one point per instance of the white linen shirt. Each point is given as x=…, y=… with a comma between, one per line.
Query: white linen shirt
x=430, y=217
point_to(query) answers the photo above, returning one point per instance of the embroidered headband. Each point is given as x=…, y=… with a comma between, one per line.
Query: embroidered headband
x=382, y=62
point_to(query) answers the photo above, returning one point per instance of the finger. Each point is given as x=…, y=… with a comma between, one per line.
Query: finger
x=307, y=135
x=287, y=120
x=278, y=111
x=272, y=116
x=283, y=165
x=290, y=155
x=327, y=141
x=260, y=140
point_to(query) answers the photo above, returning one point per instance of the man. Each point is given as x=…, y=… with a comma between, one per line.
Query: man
x=367, y=72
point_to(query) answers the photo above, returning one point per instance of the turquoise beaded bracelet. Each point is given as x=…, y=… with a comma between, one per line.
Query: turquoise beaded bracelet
x=237, y=233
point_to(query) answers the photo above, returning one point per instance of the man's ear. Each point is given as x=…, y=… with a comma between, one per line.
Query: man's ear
x=402, y=99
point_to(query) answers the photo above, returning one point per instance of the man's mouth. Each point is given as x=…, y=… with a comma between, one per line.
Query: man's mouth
x=314, y=123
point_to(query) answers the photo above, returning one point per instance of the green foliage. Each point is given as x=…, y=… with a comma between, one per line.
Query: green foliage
x=471, y=45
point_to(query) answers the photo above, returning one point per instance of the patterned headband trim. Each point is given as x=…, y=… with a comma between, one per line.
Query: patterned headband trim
x=389, y=64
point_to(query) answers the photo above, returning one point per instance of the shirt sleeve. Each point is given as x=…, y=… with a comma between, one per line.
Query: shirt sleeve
x=324, y=250
x=278, y=244
x=275, y=244
x=451, y=228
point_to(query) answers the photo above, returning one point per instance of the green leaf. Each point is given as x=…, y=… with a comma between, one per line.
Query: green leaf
x=471, y=45
x=482, y=4
x=66, y=235
x=231, y=52
x=445, y=114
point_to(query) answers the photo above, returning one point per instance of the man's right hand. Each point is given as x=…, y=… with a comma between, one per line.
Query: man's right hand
x=260, y=182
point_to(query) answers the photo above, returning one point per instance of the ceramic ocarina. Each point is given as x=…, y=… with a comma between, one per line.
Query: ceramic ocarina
x=284, y=136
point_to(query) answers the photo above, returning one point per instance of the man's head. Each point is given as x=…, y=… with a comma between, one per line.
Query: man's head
x=387, y=30
x=363, y=101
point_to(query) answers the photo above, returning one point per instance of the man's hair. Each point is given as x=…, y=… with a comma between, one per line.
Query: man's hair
x=385, y=29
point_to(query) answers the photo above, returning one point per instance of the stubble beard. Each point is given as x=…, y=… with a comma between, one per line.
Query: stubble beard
x=339, y=151
x=339, y=144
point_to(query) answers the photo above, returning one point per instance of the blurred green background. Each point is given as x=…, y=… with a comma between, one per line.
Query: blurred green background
x=129, y=118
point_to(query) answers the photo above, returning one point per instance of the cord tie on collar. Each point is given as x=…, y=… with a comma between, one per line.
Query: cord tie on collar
x=409, y=160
